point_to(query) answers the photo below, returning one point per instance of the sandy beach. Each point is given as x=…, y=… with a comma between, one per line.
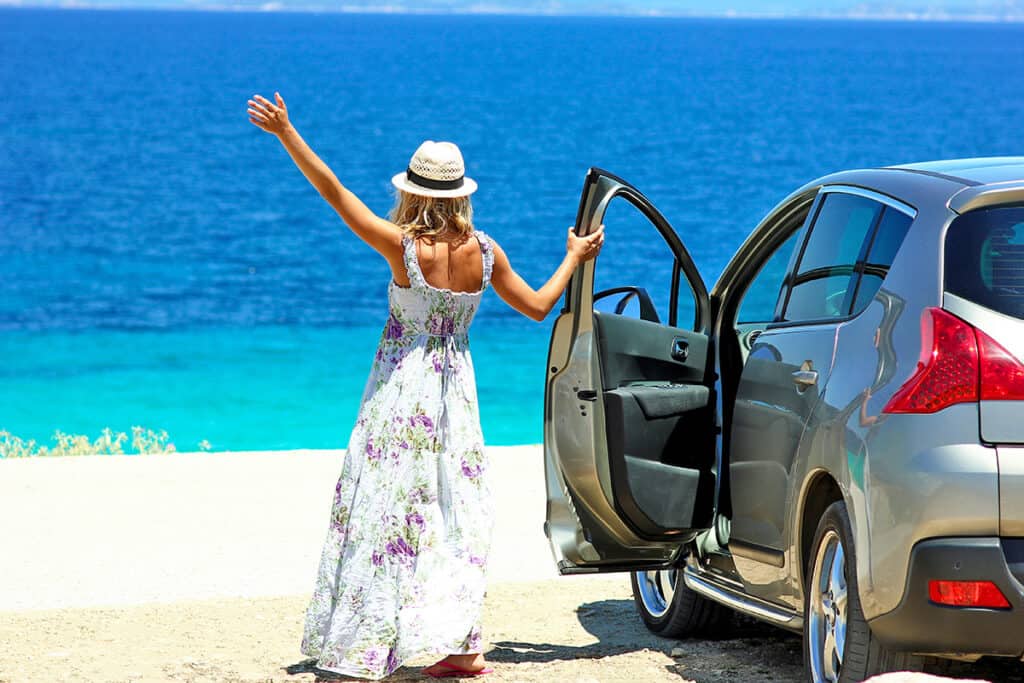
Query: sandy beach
x=125, y=530
x=197, y=567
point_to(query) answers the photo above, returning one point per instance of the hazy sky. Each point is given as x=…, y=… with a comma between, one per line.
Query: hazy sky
x=1013, y=9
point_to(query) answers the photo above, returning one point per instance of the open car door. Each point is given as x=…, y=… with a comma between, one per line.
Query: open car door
x=629, y=404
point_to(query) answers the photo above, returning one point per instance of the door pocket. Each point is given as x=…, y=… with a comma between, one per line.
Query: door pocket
x=662, y=492
x=659, y=456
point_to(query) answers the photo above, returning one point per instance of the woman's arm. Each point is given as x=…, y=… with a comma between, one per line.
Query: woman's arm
x=536, y=304
x=379, y=233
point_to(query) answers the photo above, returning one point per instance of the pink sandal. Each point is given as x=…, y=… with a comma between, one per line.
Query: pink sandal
x=455, y=671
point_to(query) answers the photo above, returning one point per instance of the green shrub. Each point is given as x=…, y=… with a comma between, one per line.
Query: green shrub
x=108, y=443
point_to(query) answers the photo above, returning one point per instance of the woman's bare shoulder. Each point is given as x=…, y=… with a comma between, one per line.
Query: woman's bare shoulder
x=391, y=238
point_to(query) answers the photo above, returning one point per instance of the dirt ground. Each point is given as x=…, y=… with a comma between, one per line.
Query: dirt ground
x=578, y=629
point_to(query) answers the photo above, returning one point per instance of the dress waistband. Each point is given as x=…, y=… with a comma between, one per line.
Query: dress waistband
x=454, y=336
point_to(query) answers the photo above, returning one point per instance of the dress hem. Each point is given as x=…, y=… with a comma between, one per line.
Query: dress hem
x=364, y=674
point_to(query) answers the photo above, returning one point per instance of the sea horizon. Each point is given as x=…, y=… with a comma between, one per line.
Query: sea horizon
x=167, y=267
x=272, y=8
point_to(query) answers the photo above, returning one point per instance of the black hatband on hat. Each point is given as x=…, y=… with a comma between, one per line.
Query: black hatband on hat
x=432, y=184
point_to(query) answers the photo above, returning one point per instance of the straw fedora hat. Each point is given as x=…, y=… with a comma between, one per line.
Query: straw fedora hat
x=436, y=170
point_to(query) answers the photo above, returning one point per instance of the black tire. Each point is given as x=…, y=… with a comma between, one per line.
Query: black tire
x=862, y=656
x=685, y=614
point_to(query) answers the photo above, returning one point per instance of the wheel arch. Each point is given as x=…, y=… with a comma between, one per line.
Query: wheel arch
x=820, y=491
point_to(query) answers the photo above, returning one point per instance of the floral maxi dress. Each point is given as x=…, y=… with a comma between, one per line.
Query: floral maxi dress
x=402, y=570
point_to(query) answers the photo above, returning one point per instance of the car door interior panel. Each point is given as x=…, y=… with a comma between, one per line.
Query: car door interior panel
x=658, y=423
x=635, y=351
x=629, y=428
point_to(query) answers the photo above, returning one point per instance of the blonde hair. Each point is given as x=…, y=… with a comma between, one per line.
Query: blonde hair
x=420, y=216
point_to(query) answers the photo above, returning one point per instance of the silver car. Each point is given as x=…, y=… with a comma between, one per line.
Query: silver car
x=831, y=440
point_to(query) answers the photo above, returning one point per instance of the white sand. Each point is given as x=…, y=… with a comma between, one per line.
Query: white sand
x=122, y=530
x=227, y=545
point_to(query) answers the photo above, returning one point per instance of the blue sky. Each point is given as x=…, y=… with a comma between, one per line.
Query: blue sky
x=921, y=9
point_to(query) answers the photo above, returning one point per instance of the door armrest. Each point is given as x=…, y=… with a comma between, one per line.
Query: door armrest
x=666, y=400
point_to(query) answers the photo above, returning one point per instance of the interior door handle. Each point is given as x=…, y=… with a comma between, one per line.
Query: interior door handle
x=680, y=349
x=805, y=378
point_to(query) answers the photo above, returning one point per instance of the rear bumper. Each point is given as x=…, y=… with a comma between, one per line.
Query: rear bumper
x=921, y=626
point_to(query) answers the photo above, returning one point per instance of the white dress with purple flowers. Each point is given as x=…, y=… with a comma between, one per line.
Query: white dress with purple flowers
x=402, y=571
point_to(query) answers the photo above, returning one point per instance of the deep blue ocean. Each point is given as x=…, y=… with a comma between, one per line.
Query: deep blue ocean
x=165, y=265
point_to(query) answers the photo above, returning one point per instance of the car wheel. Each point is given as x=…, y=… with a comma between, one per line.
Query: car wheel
x=838, y=645
x=672, y=610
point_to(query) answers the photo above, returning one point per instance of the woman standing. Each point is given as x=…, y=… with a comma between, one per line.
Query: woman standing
x=403, y=567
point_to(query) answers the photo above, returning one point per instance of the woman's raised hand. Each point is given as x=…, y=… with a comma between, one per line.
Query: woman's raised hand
x=271, y=117
x=585, y=248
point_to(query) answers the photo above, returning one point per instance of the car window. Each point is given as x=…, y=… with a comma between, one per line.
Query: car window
x=984, y=259
x=892, y=228
x=636, y=257
x=762, y=296
x=827, y=269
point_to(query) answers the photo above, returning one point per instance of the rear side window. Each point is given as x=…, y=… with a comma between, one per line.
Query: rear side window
x=984, y=259
x=827, y=266
x=892, y=228
x=852, y=243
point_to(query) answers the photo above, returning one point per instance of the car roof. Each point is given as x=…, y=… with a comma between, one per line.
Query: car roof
x=980, y=171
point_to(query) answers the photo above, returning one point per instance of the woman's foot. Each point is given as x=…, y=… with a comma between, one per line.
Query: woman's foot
x=454, y=666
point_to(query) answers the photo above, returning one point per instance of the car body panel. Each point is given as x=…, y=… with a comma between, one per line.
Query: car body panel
x=1000, y=421
x=822, y=450
x=918, y=484
x=1011, y=488
x=769, y=419
x=982, y=170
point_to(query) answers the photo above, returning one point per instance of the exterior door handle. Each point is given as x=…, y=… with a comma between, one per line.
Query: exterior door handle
x=805, y=378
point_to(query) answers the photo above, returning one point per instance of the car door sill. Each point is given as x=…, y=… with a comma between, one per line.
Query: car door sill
x=730, y=597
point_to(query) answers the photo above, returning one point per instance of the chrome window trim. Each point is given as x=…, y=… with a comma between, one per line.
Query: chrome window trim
x=874, y=196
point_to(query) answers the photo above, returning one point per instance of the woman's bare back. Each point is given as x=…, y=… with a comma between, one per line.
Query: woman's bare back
x=454, y=265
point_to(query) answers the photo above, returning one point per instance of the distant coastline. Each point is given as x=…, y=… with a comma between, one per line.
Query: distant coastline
x=996, y=15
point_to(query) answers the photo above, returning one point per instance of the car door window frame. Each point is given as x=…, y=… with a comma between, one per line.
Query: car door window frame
x=681, y=268
x=857, y=269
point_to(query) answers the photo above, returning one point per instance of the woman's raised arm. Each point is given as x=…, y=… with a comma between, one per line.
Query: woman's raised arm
x=378, y=232
x=536, y=304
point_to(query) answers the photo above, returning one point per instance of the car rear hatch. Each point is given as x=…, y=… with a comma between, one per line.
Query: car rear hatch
x=984, y=286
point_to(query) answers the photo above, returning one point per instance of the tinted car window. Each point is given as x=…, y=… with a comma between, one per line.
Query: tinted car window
x=762, y=295
x=892, y=228
x=826, y=273
x=984, y=259
x=889, y=236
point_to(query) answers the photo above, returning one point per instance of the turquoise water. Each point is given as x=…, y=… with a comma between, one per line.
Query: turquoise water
x=261, y=388
x=164, y=265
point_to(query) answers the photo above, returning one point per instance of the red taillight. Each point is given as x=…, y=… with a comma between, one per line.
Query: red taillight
x=1002, y=375
x=947, y=371
x=967, y=594
x=959, y=364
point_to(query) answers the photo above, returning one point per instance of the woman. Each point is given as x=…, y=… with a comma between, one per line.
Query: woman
x=402, y=571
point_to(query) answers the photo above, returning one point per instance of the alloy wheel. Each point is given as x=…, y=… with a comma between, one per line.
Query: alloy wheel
x=656, y=590
x=827, y=610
